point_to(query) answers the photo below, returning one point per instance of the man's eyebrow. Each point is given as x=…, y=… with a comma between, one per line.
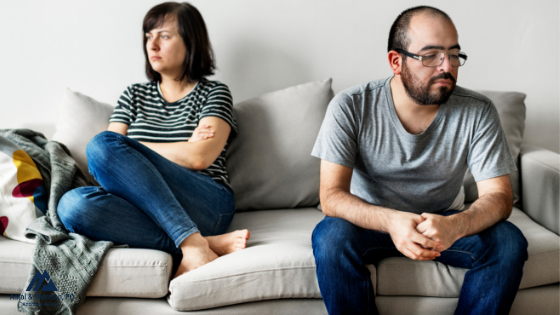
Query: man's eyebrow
x=429, y=47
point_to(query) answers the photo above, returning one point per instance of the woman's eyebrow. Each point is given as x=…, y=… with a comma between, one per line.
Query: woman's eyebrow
x=158, y=31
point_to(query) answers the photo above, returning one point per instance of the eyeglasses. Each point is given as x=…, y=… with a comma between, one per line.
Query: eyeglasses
x=436, y=59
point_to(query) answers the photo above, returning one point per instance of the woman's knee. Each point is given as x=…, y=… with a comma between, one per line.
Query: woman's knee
x=99, y=147
x=73, y=206
x=99, y=150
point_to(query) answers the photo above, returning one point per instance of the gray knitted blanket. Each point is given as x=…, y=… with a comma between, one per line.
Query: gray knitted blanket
x=70, y=259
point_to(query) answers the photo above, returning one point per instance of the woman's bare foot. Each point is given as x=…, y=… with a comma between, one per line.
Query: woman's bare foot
x=228, y=243
x=196, y=253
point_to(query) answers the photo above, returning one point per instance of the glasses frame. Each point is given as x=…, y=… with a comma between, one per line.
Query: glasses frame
x=419, y=57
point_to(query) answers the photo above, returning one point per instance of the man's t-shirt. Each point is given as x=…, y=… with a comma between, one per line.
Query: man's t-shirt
x=152, y=119
x=412, y=173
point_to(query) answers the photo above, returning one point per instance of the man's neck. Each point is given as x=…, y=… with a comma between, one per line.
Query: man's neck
x=415, y=118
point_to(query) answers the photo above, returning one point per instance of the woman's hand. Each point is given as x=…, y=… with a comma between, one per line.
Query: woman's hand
x=202, y=132
x=203, y=147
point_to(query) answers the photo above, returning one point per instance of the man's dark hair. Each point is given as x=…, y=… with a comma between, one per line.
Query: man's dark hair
x=398, y=35
x=199, y=60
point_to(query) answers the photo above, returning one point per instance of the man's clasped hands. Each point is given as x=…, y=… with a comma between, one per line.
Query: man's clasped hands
x=423, y=236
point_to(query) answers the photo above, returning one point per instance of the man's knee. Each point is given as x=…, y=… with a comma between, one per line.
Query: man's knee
x=333, y=237
x=509, y=243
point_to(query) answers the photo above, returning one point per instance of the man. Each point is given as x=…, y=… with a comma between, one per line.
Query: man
x=394, y=153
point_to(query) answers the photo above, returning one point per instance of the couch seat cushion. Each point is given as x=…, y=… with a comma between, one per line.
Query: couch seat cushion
x=277, y=263
x=402, y=276
x=124, y=272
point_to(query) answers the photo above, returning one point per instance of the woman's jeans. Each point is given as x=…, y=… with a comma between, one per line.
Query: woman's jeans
x=494, y=256
x=145, y=200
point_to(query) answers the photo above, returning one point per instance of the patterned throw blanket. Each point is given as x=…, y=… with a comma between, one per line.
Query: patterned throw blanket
x=71, y=260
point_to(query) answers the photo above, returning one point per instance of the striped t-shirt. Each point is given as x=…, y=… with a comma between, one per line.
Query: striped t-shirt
x=152, y=119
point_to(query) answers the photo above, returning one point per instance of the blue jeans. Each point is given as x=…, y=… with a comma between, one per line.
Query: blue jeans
x=494, y=256
x=145, y=200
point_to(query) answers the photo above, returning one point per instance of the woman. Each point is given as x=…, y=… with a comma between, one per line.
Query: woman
x=163, y=180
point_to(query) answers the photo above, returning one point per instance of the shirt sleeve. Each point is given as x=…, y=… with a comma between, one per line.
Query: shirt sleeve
x=337, y=139
x=125, y=111
x=220, y=104
x=489, y=154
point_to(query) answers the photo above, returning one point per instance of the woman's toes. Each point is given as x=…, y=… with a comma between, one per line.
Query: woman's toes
x=228, y=243
x=239, y=243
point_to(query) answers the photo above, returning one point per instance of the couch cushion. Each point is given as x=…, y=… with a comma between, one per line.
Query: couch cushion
x=402, y=276
x=277, y=263
x=124, y=272
x=80, y=118
x=511, y=109
x=540, y=300
x=540, y=179
x=276, y=134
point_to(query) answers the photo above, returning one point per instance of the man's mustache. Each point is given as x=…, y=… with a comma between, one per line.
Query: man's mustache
x=445, y=76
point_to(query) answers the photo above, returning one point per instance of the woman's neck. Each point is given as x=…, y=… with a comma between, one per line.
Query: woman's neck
x=173, y=90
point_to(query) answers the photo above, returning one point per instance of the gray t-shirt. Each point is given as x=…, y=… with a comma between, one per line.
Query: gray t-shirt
x=412, y=173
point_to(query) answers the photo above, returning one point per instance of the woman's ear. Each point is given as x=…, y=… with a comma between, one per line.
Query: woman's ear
x=395, y=62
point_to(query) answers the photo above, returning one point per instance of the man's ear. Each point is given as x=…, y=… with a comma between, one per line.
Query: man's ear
x=395, y=62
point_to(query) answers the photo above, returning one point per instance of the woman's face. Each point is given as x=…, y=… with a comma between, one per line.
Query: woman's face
x=166, y=49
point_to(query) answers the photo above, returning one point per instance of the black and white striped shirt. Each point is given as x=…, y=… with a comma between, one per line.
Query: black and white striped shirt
x=152, y=119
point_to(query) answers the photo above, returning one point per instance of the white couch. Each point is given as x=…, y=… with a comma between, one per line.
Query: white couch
x=276, y=184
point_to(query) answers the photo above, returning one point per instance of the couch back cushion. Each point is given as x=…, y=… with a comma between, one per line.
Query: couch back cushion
x=80, y=118
x=511, y=109
x=269, y=162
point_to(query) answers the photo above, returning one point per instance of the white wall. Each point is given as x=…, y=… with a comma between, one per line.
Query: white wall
x=95, y=47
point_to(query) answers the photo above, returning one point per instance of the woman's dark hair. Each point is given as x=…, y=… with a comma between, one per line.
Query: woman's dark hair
x=199, y=60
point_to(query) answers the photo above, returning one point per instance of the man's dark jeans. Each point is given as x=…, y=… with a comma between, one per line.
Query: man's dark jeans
x=495, y=258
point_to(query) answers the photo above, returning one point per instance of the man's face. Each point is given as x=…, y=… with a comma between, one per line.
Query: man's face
x=430, y=85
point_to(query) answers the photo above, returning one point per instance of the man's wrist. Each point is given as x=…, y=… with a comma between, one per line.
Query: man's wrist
x=388, y=218
x=457, y=226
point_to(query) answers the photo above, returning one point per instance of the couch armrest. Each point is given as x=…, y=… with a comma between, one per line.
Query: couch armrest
x=540, y=185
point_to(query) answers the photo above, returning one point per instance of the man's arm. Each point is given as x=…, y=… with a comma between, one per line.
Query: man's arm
x=494, y=204
x=337, y=201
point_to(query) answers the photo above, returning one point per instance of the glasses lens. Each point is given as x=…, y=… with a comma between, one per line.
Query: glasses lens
x=462, y=58
x=433, y=60
x=457, y=60
x=436, y=59
x=454, y=60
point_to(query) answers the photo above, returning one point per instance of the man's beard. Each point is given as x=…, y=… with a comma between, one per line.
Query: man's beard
x=420, y=93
